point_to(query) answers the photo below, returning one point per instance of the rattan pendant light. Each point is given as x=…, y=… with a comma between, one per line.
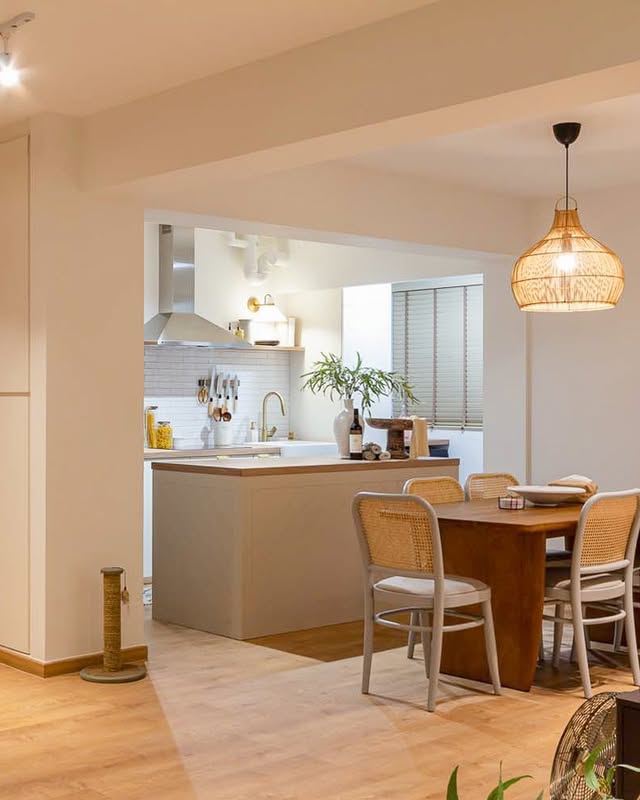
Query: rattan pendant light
x=568, y=270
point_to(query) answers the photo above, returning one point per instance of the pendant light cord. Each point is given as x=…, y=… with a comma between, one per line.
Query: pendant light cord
x=566, y=177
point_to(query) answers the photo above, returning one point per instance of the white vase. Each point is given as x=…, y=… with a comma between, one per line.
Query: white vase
x=341, y=425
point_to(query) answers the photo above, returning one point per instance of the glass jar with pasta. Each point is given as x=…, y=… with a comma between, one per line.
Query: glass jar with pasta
x=164, y=436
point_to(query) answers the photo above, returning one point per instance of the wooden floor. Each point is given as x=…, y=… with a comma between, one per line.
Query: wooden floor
x=279, y=718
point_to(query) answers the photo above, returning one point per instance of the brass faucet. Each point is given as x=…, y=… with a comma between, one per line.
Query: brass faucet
x=267, y=433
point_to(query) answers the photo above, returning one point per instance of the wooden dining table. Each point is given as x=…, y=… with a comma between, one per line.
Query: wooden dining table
x=506, y=550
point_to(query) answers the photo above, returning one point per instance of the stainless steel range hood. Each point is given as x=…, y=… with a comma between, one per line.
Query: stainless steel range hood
x=177, y=322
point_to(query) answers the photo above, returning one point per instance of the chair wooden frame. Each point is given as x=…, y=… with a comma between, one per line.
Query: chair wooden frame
x=604, y=592
x=437, y=489
x=431, y=606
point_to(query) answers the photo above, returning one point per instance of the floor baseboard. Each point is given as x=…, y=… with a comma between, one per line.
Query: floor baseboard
x=64, y=666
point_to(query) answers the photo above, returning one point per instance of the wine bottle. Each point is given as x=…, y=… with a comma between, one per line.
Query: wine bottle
x=355, y=437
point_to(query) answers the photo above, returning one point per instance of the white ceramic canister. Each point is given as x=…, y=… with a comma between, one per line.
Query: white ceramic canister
x=222, y=434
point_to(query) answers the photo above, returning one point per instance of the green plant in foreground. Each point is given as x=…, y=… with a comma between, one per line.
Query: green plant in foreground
x=330, y=375
x=602, y=785
x=494, y=794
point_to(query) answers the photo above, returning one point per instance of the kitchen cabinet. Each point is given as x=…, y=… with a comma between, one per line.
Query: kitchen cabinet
x=283, y=448
x=253, y=547
x=14, y=523
x=14, y=275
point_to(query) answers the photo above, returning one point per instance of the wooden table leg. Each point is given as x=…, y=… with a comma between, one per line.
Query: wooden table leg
x=512, y=563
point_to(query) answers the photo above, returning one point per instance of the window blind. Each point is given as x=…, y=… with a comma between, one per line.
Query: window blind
x=437, y=345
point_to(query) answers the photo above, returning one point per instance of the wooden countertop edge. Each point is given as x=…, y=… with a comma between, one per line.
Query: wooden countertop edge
x=302, y=469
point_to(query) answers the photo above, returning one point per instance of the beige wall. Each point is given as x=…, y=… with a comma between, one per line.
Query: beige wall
x=328, y=200
x=87, y=299
x=585, y=380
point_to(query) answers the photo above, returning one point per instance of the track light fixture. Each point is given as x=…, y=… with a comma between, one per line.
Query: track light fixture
x=9, y=75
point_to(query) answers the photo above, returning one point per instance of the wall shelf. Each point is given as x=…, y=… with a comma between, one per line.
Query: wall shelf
x=278, y=348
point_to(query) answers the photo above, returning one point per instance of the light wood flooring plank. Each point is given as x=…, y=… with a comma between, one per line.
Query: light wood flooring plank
x=280, y=718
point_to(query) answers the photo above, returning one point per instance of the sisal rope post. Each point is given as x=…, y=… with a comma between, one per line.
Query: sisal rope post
x=112, y=631
x=112, y=669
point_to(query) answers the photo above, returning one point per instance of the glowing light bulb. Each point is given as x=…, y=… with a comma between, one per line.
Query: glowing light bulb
x=9, y=75
x=566, y=262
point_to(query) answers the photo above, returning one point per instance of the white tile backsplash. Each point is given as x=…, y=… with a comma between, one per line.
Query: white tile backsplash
x=171, y=376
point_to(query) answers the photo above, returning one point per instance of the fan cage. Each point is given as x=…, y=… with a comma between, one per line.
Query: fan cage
x=592, y=725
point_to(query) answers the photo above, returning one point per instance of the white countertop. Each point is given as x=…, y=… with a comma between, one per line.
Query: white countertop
x=239, y=450
x=249, y=448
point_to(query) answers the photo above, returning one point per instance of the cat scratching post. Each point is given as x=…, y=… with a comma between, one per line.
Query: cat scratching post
x=112, y=669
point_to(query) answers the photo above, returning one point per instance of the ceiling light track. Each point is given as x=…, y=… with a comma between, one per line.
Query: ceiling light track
x=9, y=75
x=12, y=25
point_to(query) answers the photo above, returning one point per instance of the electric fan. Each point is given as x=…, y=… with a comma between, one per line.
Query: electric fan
x=593, y=725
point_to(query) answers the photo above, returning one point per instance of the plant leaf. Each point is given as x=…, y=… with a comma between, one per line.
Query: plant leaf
x=452, y=786
x=588, y=769
x=501, y=788
x=608, y=778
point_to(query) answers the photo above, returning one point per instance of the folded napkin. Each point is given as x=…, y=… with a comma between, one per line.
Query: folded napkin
x=419, y=445
x=580, y=482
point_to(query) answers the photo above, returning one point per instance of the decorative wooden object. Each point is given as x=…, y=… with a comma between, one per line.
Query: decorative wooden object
x=395, y=433
x=112, y=669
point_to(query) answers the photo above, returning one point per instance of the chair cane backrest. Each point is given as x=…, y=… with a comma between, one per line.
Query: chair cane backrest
x=442, y=489
x=608, y=529
x=398, y=533
x=488, y=485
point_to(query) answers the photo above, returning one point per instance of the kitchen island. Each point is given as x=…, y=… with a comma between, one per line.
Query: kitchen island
x=249, y=547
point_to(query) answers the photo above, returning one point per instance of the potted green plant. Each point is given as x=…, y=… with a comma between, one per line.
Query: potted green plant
x=601, y=785
x=495, y=794
x=331, y=376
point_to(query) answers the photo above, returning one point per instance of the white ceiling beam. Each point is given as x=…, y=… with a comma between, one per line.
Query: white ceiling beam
x=449, y=65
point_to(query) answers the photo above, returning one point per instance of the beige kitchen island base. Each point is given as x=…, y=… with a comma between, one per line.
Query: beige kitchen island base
x=250, y=547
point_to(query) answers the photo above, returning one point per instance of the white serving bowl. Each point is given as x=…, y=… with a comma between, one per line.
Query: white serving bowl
x=548, y=495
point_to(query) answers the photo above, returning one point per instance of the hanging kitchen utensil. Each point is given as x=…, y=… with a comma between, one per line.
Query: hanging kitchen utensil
x=217, y=411
x=219, y=407
x=212, y=392
x=236, y=386
x=203, y=391
x=220, y=390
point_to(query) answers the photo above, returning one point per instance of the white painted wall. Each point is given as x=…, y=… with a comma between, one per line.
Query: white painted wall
x=86, y=328
x=366, y=329
x=320, y=330
x=221, y=288
x=585, y=381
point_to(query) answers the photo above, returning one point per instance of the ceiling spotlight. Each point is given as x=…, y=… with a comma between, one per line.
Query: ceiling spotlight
x=9, y=75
